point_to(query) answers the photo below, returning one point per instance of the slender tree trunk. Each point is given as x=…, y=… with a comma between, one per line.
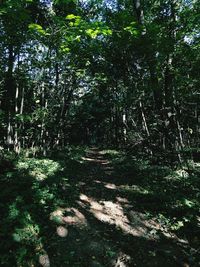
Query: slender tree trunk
x=144, y=120
x=22, y=141
x=149, y=55
x=125, y=126
x=16, y=141
x=9, y=98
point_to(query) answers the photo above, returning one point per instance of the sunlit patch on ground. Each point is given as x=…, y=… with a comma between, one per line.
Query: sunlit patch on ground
x=96, y=160
x=110, y=186
x=76, y=218
x=126, y=188
x=109, y=152
x=69, y=216
x=62, y=231
x=44, y=260
x=98, y=220
x=133, y=223
x=134, y=189
x=97, y=181
x=104, y=163
x=122, y=200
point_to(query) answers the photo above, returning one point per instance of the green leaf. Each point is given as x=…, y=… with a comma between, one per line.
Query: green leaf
x=92, y=33
x=36, y=27
x=189, y=203
x=132, y=28
x=2, y=11
x=72, y=16
x=65, y=49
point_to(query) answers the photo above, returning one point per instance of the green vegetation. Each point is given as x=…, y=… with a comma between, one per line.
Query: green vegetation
x=29, y=193
x=38, y=194
x=99, y=133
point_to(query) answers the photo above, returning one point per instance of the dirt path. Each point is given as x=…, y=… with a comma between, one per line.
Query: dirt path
x=95, y=209
x=103, y=226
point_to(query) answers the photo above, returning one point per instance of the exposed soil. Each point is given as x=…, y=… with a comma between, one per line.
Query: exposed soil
x=96, y=209
x=104, y=227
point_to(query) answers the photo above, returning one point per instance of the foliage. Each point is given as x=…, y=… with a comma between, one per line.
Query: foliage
x=120, y=75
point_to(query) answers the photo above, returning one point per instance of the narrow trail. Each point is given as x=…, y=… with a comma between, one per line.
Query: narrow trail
x=104, y=227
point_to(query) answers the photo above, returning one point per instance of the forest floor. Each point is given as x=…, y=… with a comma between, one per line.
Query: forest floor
x=96, y=208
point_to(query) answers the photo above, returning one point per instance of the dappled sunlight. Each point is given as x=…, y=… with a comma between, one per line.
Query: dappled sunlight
x=95, y=160
x=122, y=200
x=182, y=173
x=196, y=164
x=62, y=231
x=122, y=260
x=84, y=214
x=69, y=216
x=77, y=218
x=97, y=182
x=84, y=198
x=133, y=223
x=56, y=213
x=109, y=152
x=134, y=189
x=44, y=260
x=125, y=187
x=40, y=169
x=105, y=163
x=110, y=186
x=88, y=159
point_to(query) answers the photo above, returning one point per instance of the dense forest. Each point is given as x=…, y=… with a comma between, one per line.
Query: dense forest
x=99, y=133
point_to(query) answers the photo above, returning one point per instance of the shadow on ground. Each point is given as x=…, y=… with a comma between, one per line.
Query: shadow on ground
x=97, y=208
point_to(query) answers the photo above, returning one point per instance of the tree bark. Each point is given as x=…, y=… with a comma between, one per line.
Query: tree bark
x=149, y=55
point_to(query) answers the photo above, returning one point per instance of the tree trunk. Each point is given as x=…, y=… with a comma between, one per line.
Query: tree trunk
x=149, y=55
